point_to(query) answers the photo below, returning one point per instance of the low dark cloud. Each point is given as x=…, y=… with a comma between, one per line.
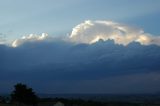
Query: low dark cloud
x=63, y=67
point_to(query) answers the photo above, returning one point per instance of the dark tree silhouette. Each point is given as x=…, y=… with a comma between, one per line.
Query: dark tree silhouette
x=23, y=95
x=2, y=99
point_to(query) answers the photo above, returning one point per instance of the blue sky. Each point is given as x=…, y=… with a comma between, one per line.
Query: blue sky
x=58, y=17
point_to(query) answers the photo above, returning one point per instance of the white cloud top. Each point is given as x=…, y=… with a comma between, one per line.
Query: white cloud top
x=92, y=31
x=29, y=38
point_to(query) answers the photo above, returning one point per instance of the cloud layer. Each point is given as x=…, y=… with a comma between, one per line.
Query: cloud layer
x=29, y=38
x=63, y=67
x=91, y=31
x=82, y=63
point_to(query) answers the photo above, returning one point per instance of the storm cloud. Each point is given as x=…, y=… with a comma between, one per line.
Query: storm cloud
x=53, y=64
x=78, y=65
x=91, y=31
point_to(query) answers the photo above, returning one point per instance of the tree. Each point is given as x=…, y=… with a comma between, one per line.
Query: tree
x=23, y=95
x=2, y=99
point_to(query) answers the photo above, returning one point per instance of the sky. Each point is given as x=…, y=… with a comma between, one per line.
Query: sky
x=80, y=46
x=58, y=17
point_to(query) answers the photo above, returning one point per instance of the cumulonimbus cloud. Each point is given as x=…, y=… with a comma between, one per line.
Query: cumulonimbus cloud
x=92, y=31
x=29, y=38
x=99, y=65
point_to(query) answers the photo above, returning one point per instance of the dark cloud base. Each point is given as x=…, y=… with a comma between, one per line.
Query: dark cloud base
x=62, y=67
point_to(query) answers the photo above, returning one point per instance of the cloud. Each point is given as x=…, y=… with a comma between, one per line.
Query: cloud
x=29, y=38
x=60, y=64
x=2, y=38
x=133, y=83
x=2, y=41
x=92, y=31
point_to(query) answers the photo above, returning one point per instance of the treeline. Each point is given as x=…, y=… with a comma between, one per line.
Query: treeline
x=25, y=96
x=81, y=102
x=77, y=102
